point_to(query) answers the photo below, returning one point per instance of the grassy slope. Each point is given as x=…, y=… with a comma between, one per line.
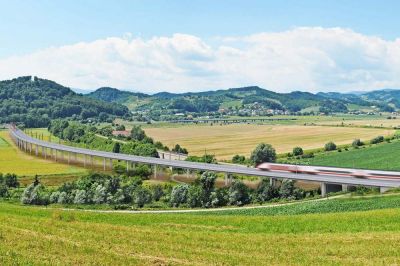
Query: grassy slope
x=15, y=161
x=30, y=235
x=382, y=156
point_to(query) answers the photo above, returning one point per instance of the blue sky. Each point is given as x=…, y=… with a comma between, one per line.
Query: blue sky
x=31, y=27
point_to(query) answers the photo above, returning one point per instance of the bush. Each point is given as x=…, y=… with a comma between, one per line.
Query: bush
x=357, y=143
x=239, y=194
x=330, y=146
x=36, y=195
x=141, y=196
x=158, y=192
x=240, y=159
x=265, y=191
x=377, y=140
x=297, y=151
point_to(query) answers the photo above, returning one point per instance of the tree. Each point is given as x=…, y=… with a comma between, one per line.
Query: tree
x=297, y=151
x=116, y=148
x=99, y=195
x=35, y=195
x=263, y=153
x=158, y=192
x=179, y=195
x=137, y=133
x=377, y=140
x=238, y=193
x=195, y=196
x=266, y=192
x=207, y=181
x=330, y=146
x=286, y=189
x=141, y=196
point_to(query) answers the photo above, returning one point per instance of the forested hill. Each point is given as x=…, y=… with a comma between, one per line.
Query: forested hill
x=242, y=101
x=36, y=101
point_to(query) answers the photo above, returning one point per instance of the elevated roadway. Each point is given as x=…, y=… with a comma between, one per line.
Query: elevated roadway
x=52, y=150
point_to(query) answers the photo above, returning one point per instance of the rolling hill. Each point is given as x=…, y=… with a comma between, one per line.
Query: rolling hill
x=35, y=101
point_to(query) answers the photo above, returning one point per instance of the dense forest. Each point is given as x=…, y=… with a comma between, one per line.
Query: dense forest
x=34, y=102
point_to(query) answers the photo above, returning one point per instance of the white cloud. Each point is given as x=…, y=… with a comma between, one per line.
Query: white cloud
x=309, y=59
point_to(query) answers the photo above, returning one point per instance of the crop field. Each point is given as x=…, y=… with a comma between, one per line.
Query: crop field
x=38, y=236
x=15, y=161
x=383, y=156
x=227, y=140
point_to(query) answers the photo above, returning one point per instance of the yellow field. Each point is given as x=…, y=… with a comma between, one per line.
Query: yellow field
x=15, y=161
x=228, y=140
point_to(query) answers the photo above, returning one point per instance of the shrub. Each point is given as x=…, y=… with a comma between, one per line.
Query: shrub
x=357, y=143
x=377, y=140
x=238, y=194
x=158, y=192
x=330, y=146
x=238, y=159
x=297, y=151
x=179, y=195
x=36, y=195
x=141, y=196
x=80, y=197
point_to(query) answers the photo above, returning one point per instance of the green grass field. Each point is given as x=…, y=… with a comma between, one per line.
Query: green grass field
x=383, y=156
x=38, y=236
x=12, y=160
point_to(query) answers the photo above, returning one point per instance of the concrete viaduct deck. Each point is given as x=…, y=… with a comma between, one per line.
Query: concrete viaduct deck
x=51, y=150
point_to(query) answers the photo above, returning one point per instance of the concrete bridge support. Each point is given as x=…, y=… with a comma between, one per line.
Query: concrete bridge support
x=383, y=189
x=328, y=188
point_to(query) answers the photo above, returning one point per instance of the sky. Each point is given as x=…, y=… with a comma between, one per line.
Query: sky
x=193, y=45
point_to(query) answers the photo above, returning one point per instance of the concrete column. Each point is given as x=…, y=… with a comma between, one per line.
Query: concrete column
x=31, y=148
x=323, y=189
x=104, y=164
x=91, y=160
x=45, y=152
x=84, y=161
x=37, y=150
x=345, y=188
x=76, y=157
x=62, y=155
x=272, y=182
x=226, y=179
x=42, y=151
x=111, y=165
x=69, y=157
x=155, y=171
x=187, y=173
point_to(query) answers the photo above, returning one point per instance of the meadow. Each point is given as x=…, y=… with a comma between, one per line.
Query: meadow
x=224, y=141
x=382, y=156
x=12, y=160
x=38, y=236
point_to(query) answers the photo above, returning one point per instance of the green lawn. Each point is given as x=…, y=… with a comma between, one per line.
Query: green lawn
x=384, y=156
x=39, y=236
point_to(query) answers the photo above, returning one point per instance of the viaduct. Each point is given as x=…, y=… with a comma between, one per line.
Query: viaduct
x=55, y=151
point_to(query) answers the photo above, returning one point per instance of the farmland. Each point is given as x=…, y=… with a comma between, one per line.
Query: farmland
x=31, y=235
x=15, y=161
x=227, y=140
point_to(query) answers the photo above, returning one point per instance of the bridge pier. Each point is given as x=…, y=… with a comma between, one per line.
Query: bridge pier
x=328, y=188
x=272, y=181
x=155, y=171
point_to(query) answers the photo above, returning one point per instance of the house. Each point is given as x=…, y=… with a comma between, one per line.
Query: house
x=123, y=133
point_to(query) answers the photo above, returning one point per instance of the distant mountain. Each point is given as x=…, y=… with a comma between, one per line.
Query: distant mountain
x=34, y=101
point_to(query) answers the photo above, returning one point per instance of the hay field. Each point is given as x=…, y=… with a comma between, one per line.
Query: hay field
x=15, y=161
x=227, y=140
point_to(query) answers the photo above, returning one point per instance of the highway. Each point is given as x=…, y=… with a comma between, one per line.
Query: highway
x=25, y=142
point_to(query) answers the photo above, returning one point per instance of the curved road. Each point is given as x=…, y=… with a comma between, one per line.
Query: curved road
x=22, y=141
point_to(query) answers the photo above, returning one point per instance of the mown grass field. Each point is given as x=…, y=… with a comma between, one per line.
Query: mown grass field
x=12, y=160
x=227, y=140
x=37, y=236
x=382, y=156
